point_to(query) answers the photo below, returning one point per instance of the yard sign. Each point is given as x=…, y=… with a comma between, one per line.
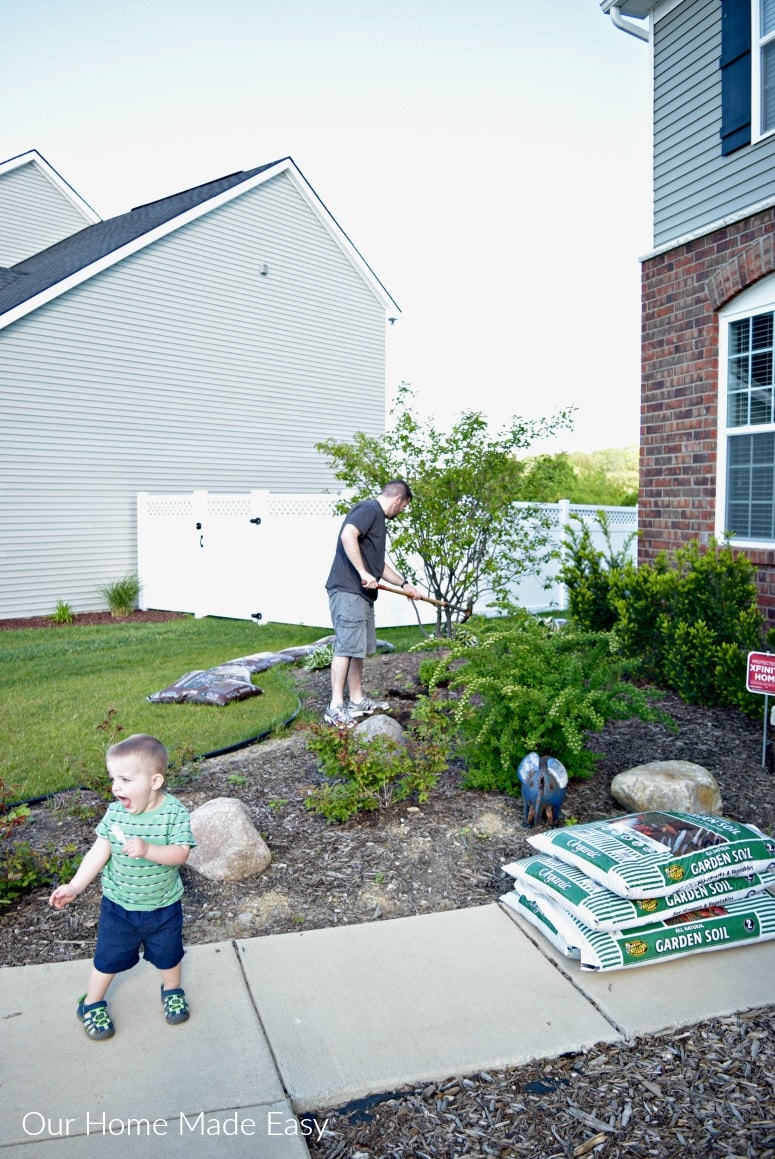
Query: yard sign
x=761, y=672
x=760, y=677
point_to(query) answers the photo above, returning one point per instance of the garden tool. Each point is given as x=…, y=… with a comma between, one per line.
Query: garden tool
x=465, y=612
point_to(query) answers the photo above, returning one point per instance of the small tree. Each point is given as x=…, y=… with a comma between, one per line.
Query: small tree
x=462, y=522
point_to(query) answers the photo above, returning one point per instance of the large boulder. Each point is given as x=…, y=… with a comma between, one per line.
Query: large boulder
x=667, y=786
x=228, y=845
x=379, y=725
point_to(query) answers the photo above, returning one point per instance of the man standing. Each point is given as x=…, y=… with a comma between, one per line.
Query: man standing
x=359, y=565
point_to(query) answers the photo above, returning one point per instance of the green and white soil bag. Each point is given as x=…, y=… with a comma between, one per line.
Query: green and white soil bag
x=601, y=909
x=742, y=921
x=555, y=923
x=645, y=855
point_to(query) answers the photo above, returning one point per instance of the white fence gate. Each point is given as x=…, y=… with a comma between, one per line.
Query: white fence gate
x=263, y=556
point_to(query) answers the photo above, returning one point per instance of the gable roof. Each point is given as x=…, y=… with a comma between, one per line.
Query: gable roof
x=43, y=277
x=34, y=158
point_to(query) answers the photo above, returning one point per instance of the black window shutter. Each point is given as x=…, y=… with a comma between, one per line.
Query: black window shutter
x=735, y=67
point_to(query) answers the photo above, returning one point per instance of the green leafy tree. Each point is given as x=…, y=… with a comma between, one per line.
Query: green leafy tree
x=462, y=522
x=549, y=478
x=603, y=478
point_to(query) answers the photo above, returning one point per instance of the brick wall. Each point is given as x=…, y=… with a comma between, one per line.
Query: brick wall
x=683, y=290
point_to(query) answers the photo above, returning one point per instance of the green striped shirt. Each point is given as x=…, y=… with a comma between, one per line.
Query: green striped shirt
x=134, y=882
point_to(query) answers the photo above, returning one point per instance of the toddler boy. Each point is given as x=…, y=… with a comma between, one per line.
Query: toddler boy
x=143, y=838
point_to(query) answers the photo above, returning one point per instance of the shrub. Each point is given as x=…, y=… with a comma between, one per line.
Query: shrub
x=373, y=775
x=122, y=595
x=692, y=623
x=320, y=657
x=62, y=614
x=527, y=687
x=22, y=867
x=592, y=577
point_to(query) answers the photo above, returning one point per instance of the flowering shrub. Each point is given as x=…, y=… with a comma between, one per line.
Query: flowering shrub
x=364, y=776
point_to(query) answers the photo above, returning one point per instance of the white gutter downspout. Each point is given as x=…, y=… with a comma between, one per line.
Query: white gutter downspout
x=627, y=25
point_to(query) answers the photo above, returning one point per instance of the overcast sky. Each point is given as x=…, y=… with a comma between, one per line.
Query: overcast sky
x=489, y=158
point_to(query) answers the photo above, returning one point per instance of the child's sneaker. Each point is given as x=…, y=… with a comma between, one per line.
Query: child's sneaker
x=338, y=715
x=95, y=1018
x=175, y=1006
x=366, y=706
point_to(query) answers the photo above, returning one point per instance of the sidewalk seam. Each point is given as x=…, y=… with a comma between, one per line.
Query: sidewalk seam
x=262, y=1027
x=558, y=967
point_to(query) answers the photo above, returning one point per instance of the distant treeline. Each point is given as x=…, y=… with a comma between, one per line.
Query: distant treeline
x=604, y=478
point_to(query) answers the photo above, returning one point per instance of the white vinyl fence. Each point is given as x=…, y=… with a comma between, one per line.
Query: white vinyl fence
x=264, y=556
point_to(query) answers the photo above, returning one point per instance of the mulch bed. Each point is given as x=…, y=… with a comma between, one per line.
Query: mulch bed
x=83, y=619
x=709, y=1090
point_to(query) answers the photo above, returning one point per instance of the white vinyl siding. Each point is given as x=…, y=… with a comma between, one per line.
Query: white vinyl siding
x=694, y=185
x=34, y=214
x=181, y=367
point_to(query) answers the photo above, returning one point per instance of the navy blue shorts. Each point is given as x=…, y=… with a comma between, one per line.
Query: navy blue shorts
x=122, y=932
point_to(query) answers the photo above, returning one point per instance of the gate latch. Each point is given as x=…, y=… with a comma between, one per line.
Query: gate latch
x=257, y=520
x=257, y=616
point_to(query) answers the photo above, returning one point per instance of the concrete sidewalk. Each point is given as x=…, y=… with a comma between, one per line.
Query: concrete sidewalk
x=293, y=1023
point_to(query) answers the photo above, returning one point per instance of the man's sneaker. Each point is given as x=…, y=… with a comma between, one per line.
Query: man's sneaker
x=95, y=1018
x=338, y=715
x=175, y=1006
x=366, y=707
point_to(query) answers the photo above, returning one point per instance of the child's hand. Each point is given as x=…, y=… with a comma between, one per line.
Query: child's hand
x=135, y=847
x=62, y=895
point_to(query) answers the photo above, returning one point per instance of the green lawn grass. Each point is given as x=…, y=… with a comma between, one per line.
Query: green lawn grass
x=64, y=692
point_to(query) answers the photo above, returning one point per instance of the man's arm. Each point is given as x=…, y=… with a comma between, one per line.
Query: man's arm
x=392, y=577
x=350, y=542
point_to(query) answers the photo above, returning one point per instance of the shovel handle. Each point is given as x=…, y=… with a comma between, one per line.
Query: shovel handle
x=425, y=599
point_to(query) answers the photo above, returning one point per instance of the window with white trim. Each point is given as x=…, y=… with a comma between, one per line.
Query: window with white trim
x=747, y=420
x=763, y=36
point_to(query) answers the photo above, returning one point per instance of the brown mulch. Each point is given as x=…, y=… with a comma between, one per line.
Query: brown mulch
x=709, y=1090
x=83, y=619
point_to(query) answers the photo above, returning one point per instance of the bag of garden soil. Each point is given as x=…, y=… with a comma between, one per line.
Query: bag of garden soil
x=645, y=855
x=210, y=686
x=742, y=921
x=555, y=923
x=256, y=661
x=601, y=909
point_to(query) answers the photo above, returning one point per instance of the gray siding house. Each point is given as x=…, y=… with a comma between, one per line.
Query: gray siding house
x=37, y=208
x=204, y=341
x=708, y=286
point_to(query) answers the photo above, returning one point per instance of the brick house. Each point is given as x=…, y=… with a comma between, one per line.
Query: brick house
x=708, y=286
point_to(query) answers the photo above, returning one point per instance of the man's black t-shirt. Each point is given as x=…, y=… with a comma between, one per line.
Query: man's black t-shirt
x=369, y=518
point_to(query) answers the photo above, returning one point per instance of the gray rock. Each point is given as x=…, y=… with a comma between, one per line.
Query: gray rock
x=671, y=786
x=228, y=846
x=379, y=725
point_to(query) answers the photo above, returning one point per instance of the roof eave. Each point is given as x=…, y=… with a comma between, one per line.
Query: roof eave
x=33, y=157
x=639, y=9
x=286, y=165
